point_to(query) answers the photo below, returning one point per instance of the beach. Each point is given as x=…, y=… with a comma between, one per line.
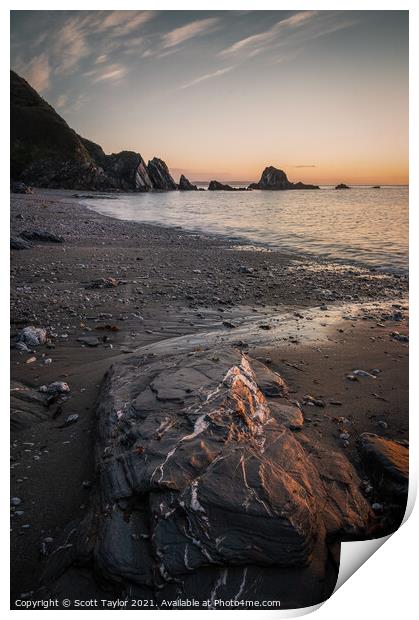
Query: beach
x=119, y=286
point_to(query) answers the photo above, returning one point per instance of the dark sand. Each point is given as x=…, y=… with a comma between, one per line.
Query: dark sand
x=326, y=320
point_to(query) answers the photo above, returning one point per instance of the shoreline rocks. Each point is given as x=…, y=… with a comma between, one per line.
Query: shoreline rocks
x=216, y=186
x=185, y=185
x=342, y=186
x=160, y=176
x=20, y=188
x=46, y=152
x=274, y=179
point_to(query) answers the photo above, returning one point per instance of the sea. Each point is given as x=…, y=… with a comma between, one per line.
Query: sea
x=360, y=226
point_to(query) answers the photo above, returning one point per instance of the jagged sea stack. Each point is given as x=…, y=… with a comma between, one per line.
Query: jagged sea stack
x=276, y=179
x=185, y=185
x=160, y=175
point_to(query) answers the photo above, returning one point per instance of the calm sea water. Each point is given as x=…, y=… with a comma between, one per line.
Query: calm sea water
x=360, y=225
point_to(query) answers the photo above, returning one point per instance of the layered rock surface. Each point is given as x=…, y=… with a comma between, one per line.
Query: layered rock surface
x=203, y=492
x=275, y=179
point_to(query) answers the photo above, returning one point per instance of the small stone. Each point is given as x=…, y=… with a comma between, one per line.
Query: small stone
x=33, y=336
x=90, y=341
x=15, y=501
x=363, y=373
x=57, y=387
x=71, y=419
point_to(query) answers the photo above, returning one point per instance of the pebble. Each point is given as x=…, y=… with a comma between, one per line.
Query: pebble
x=15, y=501
x=57, y=387
x=363, y=373
x=71, y=419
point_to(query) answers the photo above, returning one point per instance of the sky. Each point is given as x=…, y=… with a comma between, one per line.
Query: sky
x=222, y=94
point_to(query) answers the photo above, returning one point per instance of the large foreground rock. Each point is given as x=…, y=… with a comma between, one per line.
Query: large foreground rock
x=275, y=179
x=204, y=493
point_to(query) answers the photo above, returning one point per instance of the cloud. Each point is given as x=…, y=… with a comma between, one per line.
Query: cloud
x=111, y=73
x=121, y=23
x=298, y=29
x=37, y=72
x=294, y=21
x=183, y=33
x=61, y=101
x=207, y=76
x=304, y=166
x=70, y=46
x=74, y=40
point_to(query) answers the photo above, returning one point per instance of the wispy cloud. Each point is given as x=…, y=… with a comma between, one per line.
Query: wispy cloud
x=76, y=39
x=207, y=76
x=111, y=73
x=37, y=72
x=61, y=102
x=121, y=23
x=193, y=29
x=294, y=21
x=296, y=29
x=70, y=47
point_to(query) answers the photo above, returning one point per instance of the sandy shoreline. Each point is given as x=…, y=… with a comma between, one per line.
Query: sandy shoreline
x=315, y=321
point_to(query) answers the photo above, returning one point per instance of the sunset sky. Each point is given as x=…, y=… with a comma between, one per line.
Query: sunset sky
x=219, y=94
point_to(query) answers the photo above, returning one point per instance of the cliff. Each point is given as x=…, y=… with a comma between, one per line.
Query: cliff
x=46, y=152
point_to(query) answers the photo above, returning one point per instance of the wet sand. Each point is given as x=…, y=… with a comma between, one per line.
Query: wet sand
x=315, y=322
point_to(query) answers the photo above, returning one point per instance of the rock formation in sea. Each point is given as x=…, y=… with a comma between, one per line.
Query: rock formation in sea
x=46, y=152
x=185, y=185
x=204, y=491
x=216, y=186
x=275, y=179
x=342, y=186
x=160, y=175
